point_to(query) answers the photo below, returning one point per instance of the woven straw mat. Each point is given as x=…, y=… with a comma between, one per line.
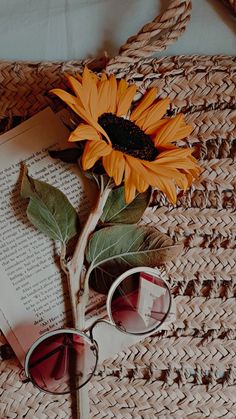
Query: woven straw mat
x=188, y=369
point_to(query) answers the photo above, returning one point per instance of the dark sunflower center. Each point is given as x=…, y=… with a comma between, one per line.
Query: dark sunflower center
x=128, y=137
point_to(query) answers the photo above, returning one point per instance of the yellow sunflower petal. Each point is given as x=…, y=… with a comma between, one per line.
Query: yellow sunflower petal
x=140, y=184
x=103, y=102
x=167, y=186
x=93, y=151
x=69, y=99
x=167, y=147
x=147, y=101
x=79, y=77
x=164, y=171
x=182, y=182
x=190, y=178
x=177, y=164
x=163, y=178
x=130, y=189
x=192, y=174
x=160, y=181
x=84, y=132
x=151, y=130
x=196, y=170
x=183, y=132
x=103, y=77
x=126, y=100
x=89, y=95
x=178, y=158
x=75, y=84
x=114, y=164
x=88, y=118
x=121, y=89
x=166, y=134
x=90, y=103
x=93, y=102
x=74, y=103
x=139, y=167
x=87, y=83
x=194, y=160
x=85, y=114
x=153, y=114
x=179, y=152
x=95, y=77
x=112, y=94
x=180, y=130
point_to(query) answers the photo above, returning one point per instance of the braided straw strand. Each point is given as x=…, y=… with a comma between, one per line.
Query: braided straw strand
x=154, y=36
x=187, y=368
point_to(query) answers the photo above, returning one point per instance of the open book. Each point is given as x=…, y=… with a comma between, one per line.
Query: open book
x=34, y=297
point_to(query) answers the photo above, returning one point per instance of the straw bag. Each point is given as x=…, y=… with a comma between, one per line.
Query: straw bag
x=187, y=370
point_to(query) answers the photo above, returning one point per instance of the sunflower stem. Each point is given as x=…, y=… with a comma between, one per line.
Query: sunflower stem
x=76, y=264
x=77, y=280
x=77, y=406
x=65, y=269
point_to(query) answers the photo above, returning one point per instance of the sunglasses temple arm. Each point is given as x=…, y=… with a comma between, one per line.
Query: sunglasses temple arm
x=90, y=328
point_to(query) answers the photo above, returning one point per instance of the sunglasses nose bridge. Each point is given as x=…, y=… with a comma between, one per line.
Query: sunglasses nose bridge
x=93, y=325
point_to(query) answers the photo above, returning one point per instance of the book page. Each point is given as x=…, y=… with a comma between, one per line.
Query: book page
x=34, y=298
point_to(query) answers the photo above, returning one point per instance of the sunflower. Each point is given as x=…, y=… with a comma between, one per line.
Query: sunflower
x=137, y=146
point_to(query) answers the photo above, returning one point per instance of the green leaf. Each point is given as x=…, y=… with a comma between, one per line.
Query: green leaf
x=130, y=246
x=49, y=209
x=104, y=275
x=117, y=211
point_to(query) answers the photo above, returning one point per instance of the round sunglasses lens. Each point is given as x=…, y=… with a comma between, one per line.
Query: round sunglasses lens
x=140, y=303
x=62, y=362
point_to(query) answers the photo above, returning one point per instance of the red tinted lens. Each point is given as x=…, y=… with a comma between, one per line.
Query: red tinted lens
x=62, y=362
x=140, y=303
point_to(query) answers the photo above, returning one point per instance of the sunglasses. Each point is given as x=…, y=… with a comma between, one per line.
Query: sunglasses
x=60, y=361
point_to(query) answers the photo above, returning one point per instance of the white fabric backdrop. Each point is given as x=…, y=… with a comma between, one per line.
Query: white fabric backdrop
x=71, y=29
